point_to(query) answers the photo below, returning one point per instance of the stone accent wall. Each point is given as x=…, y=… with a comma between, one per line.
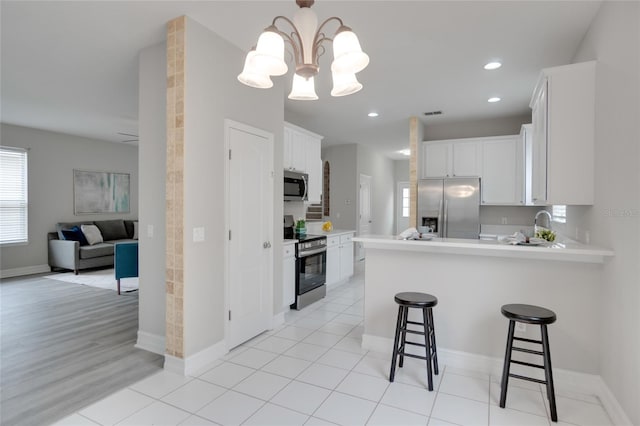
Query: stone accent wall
x=174, y=188
x=413, y=171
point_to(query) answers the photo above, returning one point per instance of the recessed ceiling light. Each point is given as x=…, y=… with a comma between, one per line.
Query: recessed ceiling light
x=492, y=66
x=494, y=99
x=406, y=152
x=373, y=114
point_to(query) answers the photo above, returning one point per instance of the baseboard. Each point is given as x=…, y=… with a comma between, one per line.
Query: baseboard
x=568, y=380
x=338, y=283
x=150, y=342
x=611, y=404
x=196, y=362
x=277, y=320
x=27, y=270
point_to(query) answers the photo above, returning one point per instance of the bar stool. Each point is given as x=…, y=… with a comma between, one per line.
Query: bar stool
x=531, y=315
x=424, y=302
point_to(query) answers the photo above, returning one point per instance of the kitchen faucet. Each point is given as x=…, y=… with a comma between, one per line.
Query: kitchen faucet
x=535, y=220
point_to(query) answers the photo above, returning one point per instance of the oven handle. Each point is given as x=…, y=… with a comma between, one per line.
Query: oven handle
x=312, y=252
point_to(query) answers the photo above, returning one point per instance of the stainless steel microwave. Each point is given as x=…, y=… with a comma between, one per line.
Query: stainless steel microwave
x=295, y=186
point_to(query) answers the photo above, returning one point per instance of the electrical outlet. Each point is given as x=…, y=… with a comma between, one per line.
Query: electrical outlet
x=198, y=234
x=521, y=327
x=150, y=231
x=504, y=220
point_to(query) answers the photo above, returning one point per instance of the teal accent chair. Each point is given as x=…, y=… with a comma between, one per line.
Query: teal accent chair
x=126, y=261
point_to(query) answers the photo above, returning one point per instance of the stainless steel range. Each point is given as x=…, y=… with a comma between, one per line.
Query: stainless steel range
x=311, y=265
x=311, y=270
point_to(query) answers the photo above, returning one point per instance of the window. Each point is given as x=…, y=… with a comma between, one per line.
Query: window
x=559, y=214
x=13, y=195
x=405, y=202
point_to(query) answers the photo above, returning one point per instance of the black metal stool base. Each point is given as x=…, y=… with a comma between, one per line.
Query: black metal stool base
x=531, y=315
x=417, y=301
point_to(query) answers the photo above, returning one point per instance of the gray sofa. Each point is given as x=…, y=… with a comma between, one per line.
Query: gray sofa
x=67, y=254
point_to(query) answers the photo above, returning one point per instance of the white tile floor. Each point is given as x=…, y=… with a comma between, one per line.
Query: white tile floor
x=313, y=371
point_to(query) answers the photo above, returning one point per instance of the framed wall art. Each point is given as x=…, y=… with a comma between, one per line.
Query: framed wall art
x=100, y=192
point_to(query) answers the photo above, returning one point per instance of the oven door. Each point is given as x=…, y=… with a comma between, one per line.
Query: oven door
x=311, y=272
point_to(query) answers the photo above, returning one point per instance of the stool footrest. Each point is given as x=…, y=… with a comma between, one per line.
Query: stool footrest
x=414, y=356
x=523, y=339
x=529, y=351
x=415, y=323
x=528, y=364
x=530, y=379
x=414, y=344
x=413, y=332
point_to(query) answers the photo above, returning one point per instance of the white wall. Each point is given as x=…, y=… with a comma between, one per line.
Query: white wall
x=212, y=95
x=614, y=220
x=51, y=160
x=152, y=169
x=381, y=169
x=343, y=160
x=475, y=129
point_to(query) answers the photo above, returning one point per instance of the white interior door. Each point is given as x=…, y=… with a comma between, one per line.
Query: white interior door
x=364, y=226
x=402, y=207
x=250, y=219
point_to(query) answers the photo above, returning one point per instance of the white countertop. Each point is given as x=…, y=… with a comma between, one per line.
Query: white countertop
x=335, y=232
x=288, y=242
x=568, y=252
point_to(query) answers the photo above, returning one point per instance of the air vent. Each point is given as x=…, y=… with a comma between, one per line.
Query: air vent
x=430, y=113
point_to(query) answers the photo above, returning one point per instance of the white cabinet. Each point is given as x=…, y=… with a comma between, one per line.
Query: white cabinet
x=467, y=158
x=346, y=256
x=461, y=158
x=435, y=159
x=333, y=260
x=503, y=171
x=526, y=134
x=288, y=275
x=302, y=154
x=339, y=258
x=563, y=126
x=295, y=150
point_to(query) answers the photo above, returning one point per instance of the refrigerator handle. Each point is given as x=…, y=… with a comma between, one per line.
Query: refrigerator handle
x=446, y=213
x=440, y=222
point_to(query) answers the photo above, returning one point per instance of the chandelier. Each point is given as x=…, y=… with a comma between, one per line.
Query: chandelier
x=306, y=40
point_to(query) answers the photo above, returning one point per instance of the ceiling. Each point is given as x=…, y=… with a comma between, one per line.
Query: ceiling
x=71, y=67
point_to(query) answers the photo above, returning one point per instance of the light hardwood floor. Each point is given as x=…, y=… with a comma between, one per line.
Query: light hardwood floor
x=65, y=346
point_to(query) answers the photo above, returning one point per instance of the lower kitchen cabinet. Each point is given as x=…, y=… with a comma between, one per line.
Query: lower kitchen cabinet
x=339, y=258
x=288, y=275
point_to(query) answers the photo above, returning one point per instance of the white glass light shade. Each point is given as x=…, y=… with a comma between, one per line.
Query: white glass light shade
x=251, y=76
x=348, y=56
x=344, y=84
x=269, y=57
x=303, y=89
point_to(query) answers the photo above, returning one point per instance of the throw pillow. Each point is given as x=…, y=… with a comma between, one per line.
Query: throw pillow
x=75, y=234
x=135, y=230
x=92, y=234
x=112, y=229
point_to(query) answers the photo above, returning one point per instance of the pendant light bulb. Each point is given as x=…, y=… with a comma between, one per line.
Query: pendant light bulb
x=303, y=89
x=269, y=57
x=344, y=84
x=348, y=56
x=252, y=77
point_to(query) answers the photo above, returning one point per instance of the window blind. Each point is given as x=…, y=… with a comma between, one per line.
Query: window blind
x=13, y=195
x=559, y=214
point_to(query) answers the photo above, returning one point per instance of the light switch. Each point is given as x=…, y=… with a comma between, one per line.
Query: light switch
x=150, y=231
x=198, y=234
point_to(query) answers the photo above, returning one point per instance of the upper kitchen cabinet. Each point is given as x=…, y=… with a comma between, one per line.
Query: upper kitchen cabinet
x=452, y=158
x=503, y=173
x=302, y=154
x=563, y=112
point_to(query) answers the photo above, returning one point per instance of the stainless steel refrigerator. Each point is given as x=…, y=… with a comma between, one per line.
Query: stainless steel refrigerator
x=450, y=207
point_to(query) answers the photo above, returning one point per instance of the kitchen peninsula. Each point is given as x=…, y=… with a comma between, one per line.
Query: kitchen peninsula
x=472, y=279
